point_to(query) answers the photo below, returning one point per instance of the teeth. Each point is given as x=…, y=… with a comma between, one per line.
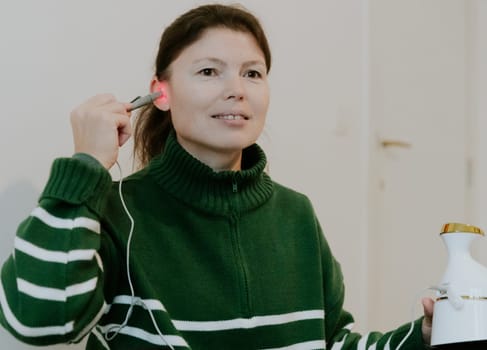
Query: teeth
x=229, y=117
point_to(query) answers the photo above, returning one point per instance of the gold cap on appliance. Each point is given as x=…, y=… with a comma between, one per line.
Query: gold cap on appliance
x=457, y=227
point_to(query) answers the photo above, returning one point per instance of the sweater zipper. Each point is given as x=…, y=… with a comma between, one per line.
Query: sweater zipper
x=240, y=263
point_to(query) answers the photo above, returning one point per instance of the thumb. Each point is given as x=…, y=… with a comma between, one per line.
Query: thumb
x=426, y=328
x=428, y=306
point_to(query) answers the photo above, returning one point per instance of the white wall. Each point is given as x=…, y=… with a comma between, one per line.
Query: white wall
x=477, y=103
x=55, y=54
x=418, y=95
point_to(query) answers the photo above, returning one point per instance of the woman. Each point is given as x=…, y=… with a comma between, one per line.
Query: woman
x=217, y=255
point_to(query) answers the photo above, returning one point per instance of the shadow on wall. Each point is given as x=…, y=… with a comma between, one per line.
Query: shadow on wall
x=16, y=202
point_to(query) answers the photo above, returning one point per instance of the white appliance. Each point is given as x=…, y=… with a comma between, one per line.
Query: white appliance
x=460, y=312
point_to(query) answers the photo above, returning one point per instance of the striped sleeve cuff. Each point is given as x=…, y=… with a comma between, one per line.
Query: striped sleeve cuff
x=78, y=181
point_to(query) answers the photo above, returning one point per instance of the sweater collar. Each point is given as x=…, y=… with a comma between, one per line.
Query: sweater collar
x=196, y=184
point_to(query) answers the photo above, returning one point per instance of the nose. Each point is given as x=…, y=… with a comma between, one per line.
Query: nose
x=234, y=88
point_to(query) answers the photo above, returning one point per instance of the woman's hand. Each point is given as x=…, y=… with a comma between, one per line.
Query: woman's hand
x=101, y=125
x=428, y=305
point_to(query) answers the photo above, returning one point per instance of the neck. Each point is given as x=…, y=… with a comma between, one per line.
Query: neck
x=215, y=159
x=222, y=163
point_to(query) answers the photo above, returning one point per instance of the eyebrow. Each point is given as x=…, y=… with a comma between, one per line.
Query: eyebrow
x=221, y=62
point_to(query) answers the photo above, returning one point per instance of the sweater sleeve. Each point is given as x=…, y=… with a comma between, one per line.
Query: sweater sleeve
x=52, y=285
x=339, y=323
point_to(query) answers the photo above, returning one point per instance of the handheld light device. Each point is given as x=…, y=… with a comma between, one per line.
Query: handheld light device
x=145, y=100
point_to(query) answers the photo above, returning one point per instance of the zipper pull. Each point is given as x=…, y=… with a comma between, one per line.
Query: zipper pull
x=234, y=184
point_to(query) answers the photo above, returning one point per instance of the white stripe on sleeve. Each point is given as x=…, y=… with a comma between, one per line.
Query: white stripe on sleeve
x=388, y=344
x=61, y=223
x=47, y=293
x=362, y=344
x=339, y=345
x=53, y=255
x=30, y=331
x=99, y=261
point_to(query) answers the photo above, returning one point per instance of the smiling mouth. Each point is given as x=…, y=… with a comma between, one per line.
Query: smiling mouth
x=230, y=117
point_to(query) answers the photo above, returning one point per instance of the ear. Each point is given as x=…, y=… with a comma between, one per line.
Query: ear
x=162, y=102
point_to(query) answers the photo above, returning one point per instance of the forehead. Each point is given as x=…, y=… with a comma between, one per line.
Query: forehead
x=223, y=43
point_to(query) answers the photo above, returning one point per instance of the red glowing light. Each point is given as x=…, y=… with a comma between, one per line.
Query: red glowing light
x=162, y=87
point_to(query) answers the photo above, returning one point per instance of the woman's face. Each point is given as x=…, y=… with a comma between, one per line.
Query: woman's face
x=218, y=93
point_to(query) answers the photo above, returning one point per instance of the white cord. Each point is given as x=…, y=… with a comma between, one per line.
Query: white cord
x=406, y=336
x=415, y=300
x=115, y=330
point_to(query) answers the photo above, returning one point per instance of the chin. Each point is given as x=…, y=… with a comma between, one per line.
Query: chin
x=234, y=143
x=230, y=143
x=239, y=146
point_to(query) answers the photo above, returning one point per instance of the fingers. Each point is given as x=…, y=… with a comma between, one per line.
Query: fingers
x=100, y=126
x=106, y=102
x=124, y=130
x=428, y=307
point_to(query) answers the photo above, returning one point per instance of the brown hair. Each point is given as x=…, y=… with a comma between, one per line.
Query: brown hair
x=153, y=125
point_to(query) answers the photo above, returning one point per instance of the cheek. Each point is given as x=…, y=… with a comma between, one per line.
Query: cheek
x=192, y=97
x=179, y=103
x=261, y=101
x=187, y=109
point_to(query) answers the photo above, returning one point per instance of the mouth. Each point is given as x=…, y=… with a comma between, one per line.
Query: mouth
x=230, y=116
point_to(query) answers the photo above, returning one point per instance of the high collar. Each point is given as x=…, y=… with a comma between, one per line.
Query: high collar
x=196, y=184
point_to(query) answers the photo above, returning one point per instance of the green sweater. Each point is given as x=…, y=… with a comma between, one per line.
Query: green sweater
x=227, y=260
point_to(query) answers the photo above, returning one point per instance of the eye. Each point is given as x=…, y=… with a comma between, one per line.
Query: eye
x=253, y=74
x=208, y=72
